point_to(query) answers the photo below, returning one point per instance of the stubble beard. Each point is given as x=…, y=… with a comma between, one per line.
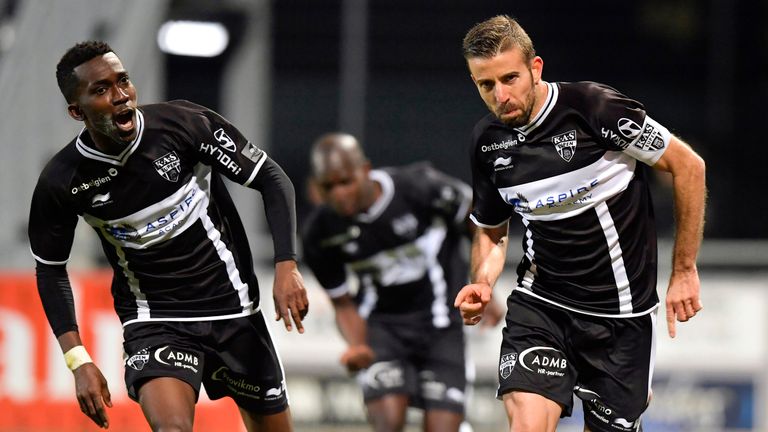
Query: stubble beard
x=525, y=117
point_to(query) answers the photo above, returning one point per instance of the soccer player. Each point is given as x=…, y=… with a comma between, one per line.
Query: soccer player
x=148, y=180
x=398, y=231
x=571, y=159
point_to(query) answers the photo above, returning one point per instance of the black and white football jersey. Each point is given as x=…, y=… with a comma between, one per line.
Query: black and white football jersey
x=572, y=176
x=405, y=252
x=166, y=222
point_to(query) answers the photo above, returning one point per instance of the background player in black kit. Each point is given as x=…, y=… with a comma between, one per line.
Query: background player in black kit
x=398, y=230
x=571, y=159
x=147, y=180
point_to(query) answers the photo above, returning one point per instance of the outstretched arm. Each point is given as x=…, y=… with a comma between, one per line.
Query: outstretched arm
x=353, y=328
x=90, y=385
x=489, y=251
x=688, y=180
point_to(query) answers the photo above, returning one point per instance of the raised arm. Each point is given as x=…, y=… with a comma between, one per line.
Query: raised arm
x=489, y=251
x=688, y=180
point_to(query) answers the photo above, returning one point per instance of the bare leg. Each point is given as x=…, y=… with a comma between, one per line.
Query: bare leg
x=280, y=422
x=168, y=404
x=437, y=420
x=387, y=414
x=528, y=412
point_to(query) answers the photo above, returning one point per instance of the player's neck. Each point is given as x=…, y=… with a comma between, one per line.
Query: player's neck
x=541, y=91
x=103, y=143
x=375, y=194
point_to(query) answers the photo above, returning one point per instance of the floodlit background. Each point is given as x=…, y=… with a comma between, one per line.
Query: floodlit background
x=391, y=72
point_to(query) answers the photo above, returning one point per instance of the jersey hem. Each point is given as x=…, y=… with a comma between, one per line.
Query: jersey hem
x=204, y=318
x=525, y=291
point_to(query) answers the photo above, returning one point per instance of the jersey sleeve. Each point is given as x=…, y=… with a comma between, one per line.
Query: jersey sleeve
x=488, y=208
x=52, y=223
x=329, y=270
x=624, y=124
x=222, y=146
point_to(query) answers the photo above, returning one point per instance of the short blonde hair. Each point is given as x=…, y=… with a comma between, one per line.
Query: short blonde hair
x=496, y=35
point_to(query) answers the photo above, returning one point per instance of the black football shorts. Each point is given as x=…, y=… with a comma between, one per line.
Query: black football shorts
x=233, y=357
x=423, y=362
x=554, y=352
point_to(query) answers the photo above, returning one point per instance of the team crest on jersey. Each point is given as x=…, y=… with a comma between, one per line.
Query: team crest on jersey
x=138, y=360
x=506, y=364
x=565, y=144
x=168, y=166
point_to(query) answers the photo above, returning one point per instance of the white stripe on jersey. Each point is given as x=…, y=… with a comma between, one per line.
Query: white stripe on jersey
x=546, y=108
x=617, y=260
x=142, y=307
x=339, y=291
x=430, y=244
x=387, y=192
x=530, y=272
x=370, y=297
x=574, y=192
x=163, y=220
x=228, y=259
x=256, y=169
x=405, y=264
x=120, y=159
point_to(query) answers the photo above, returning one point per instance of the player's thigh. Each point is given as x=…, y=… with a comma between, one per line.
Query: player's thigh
x=534, y=355
x=279, y=422
x=243, y=364
x=531, y=412
x=442, y=370
x=163, y=350
x=614, y=382
x=392, y=372
x=168, y=403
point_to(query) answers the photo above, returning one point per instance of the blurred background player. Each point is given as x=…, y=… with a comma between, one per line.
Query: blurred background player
x=572, y=160
x=399, y=231
x=147, y=179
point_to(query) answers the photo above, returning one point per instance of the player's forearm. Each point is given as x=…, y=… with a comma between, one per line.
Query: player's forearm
x=56, y=295
x=489, y=251
x=280, y=207
x=69, y=340
x=690, y=201
x=351, y=325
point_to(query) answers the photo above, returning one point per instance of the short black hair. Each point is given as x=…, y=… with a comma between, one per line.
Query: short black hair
x=74, y=57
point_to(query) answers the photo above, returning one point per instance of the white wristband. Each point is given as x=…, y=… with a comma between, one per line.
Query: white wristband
x=77, y=357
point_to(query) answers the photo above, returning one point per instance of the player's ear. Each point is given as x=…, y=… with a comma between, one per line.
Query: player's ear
x=537, y=67
x=75, y=112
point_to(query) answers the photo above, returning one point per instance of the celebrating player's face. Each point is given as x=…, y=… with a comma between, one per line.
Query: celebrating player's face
x=506, y=83
x=106, y=99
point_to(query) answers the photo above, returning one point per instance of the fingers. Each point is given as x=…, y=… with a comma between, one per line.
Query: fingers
x=292, y=314
x=681, y=311
x=92, y=406
x=671, y=321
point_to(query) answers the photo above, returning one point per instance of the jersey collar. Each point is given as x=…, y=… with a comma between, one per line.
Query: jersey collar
x=549, y=103
x=387, y=192
x=120, y=159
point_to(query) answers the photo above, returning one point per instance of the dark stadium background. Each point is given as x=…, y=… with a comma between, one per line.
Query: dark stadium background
x=391, y=72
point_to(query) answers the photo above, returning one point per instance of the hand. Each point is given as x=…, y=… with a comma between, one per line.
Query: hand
x=471, y=302
x=92, y=393
x=289, y=295
x=357, y=357
x=494, y=313
x=683, y=300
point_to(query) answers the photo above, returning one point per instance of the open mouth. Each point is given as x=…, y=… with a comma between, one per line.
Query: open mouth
x=125, y=122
